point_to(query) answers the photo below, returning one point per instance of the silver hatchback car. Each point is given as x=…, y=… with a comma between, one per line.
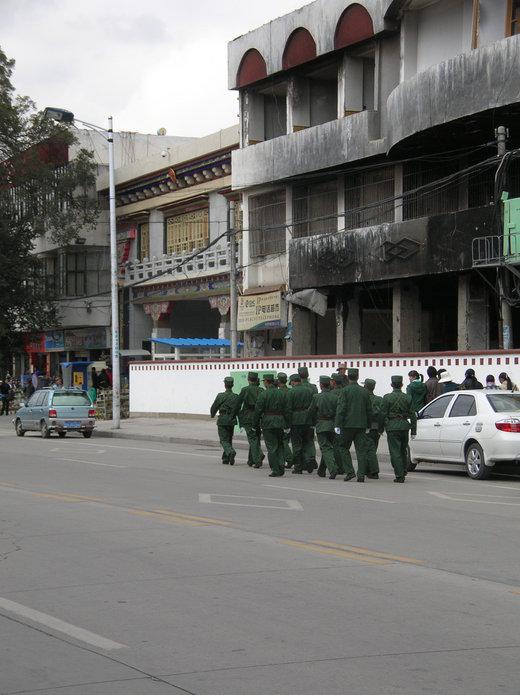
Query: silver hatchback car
x=56, y=410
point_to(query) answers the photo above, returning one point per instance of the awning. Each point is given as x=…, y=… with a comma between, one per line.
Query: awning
x=311, y=299
x=193, y=342
x=134, y=353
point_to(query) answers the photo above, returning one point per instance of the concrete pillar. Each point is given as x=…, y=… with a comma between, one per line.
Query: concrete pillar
x=302, y=339
x=407, y=317
x=156, y=227
x=159, y=330
x=254, y=122
x=224, y=330
x=340, y=325
x=298, y=104
x=352, y=335
x=408, y=66
x=473, y=314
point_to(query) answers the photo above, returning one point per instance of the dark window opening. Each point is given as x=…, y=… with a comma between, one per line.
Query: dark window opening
x=267, y=223
x=315, y=208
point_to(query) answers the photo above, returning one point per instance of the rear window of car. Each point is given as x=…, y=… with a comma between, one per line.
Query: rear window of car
x=70, y=399
x=504, y=402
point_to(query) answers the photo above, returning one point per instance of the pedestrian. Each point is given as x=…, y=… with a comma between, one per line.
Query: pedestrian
x=398, y=417
x=374, y=432
x=272, y=416
x=103, y=380
x=299, y=399
x=226, y=404
x=490, y=383
x=281, y=381
x=447, y=383
x=433, y=389
x=353, y=418
x=322, y=413
x=470, y=381
x=505, y=383
x=417, y=390
x=5, y=391
x=58, y=383
x=304, y=375
x=248, y=398
x=342, y=369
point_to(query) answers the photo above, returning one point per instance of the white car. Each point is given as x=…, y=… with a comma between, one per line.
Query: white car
x=475, y=428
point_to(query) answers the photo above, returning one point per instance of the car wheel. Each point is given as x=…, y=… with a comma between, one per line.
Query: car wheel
x=87, y=434
x=44, y=430
x=475, y=462
x=61, y=434
x=19, y=429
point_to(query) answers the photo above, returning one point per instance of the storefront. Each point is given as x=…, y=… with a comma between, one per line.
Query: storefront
x=46, y=350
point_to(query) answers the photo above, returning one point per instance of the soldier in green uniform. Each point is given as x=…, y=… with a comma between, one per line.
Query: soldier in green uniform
x=304, y=376
x=374, y=431
x=302, y=435
x=272, y=415
x=337, y=381
x=226, y=404
x=353, y=417
x=398, y=416
x=248, y=397
x=322, y=413
x=281, y=380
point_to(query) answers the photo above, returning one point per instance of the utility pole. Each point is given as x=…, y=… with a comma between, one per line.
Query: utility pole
x=232, y=237
x=506, y=319
x=114, y=285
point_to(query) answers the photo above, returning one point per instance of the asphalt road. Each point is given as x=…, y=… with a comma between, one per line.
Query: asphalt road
x=136, y=569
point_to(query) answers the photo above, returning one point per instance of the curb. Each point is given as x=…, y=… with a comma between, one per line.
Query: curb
x=165, y=439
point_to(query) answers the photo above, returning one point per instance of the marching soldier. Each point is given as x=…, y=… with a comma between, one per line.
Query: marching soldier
x=353, y=417
x=302, y=436
x=399, y=418
x=337, y=381
x=374, y=432
x=248, y=397
x=281, y=380
x=272, y=415
x=322, y=413
x=226, y=404
x=304, y=376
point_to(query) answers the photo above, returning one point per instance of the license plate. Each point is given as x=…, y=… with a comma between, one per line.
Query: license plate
x=72, y=423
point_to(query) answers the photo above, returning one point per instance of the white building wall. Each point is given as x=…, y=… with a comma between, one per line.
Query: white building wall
x=84, y=311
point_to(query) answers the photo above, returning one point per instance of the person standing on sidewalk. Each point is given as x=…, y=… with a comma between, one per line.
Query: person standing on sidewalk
x=322, y=412
x=226, y=404
x=353, y=418
x=248, y=398
x=281, y=381
x=399, y=418
x=5, y=391
x=302, y=435
x=272, y=416
x=374, y=432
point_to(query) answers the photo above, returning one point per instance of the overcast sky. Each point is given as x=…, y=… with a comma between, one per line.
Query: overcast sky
x=148, y=64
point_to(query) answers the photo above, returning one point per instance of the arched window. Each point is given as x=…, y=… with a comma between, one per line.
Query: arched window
x=355, y=25
x=252, y=68
x=300, y=48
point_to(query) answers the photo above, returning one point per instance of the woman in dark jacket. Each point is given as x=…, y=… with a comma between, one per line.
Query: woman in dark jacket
x=470, y=381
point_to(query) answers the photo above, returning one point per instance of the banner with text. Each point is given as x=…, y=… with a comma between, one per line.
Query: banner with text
x=257, y=312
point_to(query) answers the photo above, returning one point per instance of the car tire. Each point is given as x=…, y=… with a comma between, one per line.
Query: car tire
x=19, y=429
x=476, y=462
x=87, y=434
x=62, y=434
x=44, y=430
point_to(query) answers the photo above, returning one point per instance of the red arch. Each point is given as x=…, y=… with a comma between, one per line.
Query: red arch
x=300, y=48
x=252, y=68
x=355, y=25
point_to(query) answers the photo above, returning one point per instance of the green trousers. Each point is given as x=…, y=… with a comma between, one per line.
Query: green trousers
x=328, y=460
x=254, y=457
x=356, y=436
x=303, y=449
x=398, y=446
x=288, y=455
x=274, y=443
x=225, y=435
x=372, y=444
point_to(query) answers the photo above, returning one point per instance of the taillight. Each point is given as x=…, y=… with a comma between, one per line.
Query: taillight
x=52, y=412
x=510, y=425
x=92, y=412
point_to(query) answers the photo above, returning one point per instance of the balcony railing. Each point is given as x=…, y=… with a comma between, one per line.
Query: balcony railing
x=211, y=262
x=496, y=250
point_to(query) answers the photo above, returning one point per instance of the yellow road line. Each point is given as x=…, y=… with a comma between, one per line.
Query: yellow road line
x=370, y=553
x=336, y=552
x=189, y=517
x=162, y=517
x=66, y=497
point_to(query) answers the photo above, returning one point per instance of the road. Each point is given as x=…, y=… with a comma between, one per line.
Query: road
x=148, y=569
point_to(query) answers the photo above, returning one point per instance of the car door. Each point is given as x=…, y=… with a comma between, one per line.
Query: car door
x=25, y=414
x=426, y=445
x=39, y=410
x=460, y=420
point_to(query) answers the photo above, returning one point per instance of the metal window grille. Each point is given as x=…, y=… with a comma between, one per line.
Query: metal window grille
x=363, y=191
x=267, y=223
x=315, y=208
x=187, y=232
x=437, y=200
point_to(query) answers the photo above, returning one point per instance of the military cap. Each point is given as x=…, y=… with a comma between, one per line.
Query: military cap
x=397, y=381
x=325, y=380
x=252, y=376
x=338, y=378
x=268, y=377
x=229, y=381
x=282, y=377
x=303, y=372
x=295, y=377
x=353, y=373
x=370, y=384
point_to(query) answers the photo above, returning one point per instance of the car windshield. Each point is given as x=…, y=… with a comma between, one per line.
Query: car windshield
x=68, y=398
x=504, y=402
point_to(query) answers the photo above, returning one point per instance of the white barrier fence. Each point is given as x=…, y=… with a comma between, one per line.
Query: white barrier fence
x=190, y=387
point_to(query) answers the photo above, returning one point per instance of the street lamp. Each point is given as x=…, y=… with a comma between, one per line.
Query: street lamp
x=64, y=116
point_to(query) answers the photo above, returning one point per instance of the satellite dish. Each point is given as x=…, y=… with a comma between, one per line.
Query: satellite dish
x=161, y=131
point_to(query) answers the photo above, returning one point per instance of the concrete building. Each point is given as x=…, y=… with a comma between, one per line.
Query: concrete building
x=169, y=206
x=367, y=161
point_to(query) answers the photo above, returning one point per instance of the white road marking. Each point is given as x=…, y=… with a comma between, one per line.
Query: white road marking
x=92, y=463
x=451, y=498
x=336, y=494
x=58, y=625
x=294, y=505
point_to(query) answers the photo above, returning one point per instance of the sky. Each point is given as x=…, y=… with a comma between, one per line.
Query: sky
x=149, y=65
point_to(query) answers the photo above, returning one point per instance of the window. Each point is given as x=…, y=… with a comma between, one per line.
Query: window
x=513, y=18
x=87, y=273
x=315, y=208
x=463, y=406
x=267, y=223
x=323, y=100
x=275, y=115
x=50, y=276
x=504, y=403
x=144, y=240
x=75, y=275
x=70, y=399
x=363, y=191
x=33, y=400
x=434, y=200
x=187, y=232
x=436, y=409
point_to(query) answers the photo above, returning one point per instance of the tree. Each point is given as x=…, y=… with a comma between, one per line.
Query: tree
x=41, y=193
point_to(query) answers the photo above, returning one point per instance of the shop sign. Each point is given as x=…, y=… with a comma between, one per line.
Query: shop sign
x=94, y=338
x=34, y=342
x=257, y=312
x=54, y=340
